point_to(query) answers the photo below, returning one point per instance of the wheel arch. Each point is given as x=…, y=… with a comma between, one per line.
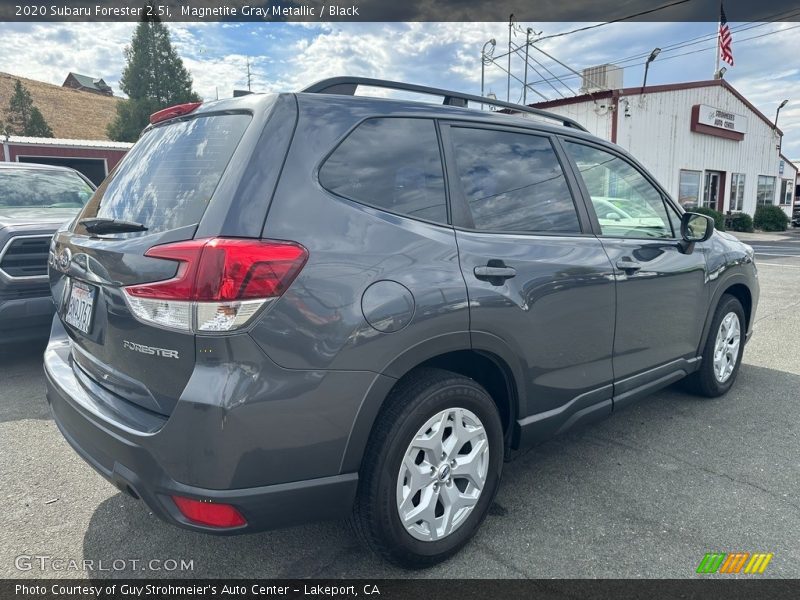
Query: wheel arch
x=493, y=371
x=737, y=287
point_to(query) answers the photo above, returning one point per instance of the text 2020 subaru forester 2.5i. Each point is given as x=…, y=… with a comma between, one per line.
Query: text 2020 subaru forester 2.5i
x=289, y=307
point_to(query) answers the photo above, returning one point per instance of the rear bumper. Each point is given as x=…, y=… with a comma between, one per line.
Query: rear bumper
x=126, y=458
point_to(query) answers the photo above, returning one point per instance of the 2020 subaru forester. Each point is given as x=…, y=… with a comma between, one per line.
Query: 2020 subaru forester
x=289, y=307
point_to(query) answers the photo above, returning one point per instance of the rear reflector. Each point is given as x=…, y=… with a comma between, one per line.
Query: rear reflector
x=173, y=111
x=209, y=513
x=220, y=285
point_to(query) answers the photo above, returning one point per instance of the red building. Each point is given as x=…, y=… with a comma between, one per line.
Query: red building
x=93, y=158
x=79, y=117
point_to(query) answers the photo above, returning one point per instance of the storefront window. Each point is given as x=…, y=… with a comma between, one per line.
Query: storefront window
x=689, y=188
x=765, y=194
x=786, y=191
x=737, y=192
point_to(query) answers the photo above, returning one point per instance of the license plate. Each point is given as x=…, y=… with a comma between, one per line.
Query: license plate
x=80, y=306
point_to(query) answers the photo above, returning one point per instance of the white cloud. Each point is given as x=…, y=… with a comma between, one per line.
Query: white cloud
x=288, y=56
x=48, y=52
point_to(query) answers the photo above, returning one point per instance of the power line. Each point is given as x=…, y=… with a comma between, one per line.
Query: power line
x=621, y=61
x=553, y=74
x=503, y=69
x=681, y=44
x=517, y=51
x=633, y=16
x=707, y=37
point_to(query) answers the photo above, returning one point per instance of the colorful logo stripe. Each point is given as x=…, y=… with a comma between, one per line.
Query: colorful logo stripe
x=733, y=562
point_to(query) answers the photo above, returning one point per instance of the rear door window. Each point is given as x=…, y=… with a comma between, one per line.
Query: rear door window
x=513, y=182
x=168, y=178
x=393, y=164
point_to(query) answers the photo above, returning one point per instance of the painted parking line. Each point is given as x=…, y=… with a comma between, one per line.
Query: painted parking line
x=778, y=247
x=777, y=264
x=795, y=248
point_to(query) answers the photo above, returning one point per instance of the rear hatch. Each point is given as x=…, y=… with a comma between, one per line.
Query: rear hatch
x=122, y=345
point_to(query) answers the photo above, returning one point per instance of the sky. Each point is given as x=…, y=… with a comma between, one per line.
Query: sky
x=289, y=56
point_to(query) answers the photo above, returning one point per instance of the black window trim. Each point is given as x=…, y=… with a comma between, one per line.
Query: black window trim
x=382, y=209
x=462, y=216
x=666, y=199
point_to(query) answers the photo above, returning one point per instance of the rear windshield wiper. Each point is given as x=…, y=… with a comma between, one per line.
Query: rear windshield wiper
x=100, y=225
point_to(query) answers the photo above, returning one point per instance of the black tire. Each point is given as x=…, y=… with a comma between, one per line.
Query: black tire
x=704, y=381
x=416, y=399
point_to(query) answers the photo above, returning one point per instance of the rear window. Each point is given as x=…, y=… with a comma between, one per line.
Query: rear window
x=167, y=179
x=22, y=188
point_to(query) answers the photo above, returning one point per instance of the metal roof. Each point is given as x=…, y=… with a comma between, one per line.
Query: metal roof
x=655, y=89
x=17, y=166
x=95, y=83
x=70, y=143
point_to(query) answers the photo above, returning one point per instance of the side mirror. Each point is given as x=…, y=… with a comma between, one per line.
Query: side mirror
x=696, y=227
x=612, y=216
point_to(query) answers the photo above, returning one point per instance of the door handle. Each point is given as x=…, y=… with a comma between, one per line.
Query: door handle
x=495, y=272
x=628, y=265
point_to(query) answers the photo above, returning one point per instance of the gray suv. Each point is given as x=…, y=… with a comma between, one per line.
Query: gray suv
x=289, y=307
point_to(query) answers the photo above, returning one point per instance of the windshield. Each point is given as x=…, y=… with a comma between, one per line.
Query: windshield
x=31, y=188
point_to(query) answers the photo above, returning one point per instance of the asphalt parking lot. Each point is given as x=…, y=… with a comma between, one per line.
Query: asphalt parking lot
x=645, y=493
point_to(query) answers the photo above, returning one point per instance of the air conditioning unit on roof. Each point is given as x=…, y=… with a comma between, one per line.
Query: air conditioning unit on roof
x=601, y=77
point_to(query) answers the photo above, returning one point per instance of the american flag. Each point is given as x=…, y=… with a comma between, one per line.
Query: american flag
x=725, y=38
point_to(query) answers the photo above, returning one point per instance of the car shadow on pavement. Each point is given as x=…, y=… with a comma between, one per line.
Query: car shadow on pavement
x=643, y=494
x=19, y=365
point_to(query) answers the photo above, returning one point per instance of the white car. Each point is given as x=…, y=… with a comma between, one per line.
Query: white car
x=611, y=215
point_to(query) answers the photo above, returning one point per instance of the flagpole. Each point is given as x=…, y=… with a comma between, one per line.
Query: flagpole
x=716, y=61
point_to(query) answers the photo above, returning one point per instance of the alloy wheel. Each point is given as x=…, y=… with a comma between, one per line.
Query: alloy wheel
x=442, y=474
x=726, y=347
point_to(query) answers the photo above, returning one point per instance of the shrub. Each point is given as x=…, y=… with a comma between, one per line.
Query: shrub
x=770, y=218
x=719, y=218
x=740, y=222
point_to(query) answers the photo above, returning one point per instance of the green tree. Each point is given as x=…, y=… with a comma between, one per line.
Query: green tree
x=37, y=126
x=23, y=117
x=154, y=78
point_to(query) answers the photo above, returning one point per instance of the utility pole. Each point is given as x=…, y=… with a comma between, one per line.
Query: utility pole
x=485, y=60
x=508, y=78
x=248, y=75
x=525, y=83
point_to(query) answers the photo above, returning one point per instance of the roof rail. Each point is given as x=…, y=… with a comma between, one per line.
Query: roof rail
x=347, y=86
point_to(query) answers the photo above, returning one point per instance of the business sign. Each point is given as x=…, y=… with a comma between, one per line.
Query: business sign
x=715, y=121
x=716, y=117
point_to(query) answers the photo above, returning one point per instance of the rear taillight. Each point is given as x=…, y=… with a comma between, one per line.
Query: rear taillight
x=209, y=513
x=220, y=284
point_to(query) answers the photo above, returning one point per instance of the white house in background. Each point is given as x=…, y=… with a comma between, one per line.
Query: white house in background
x=703, y=140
